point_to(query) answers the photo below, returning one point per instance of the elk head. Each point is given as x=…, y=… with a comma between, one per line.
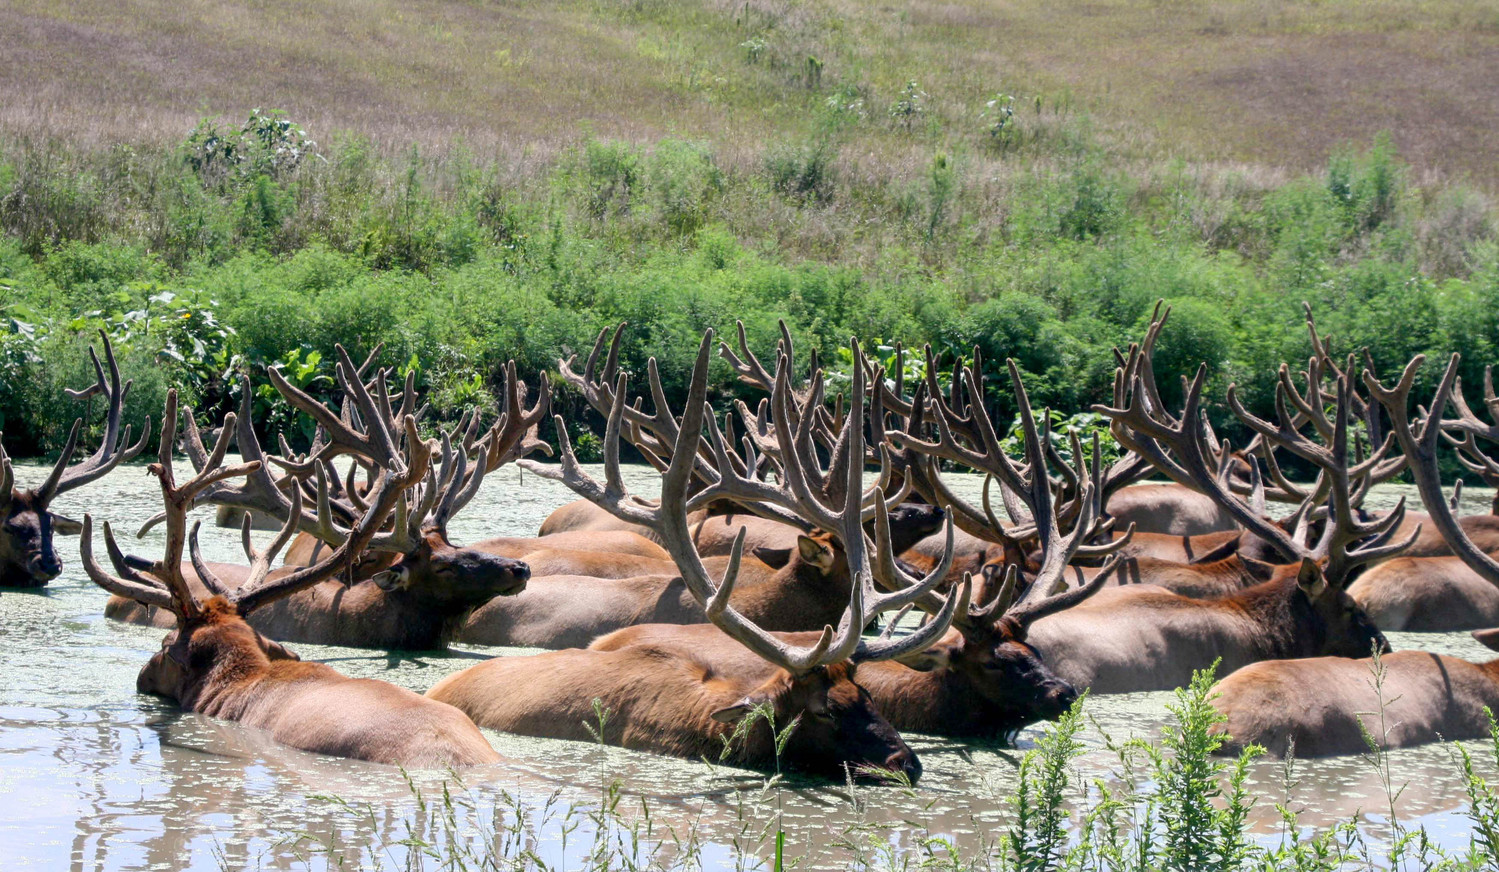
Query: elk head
x=28, y=557
x=833, y=714
x=437, y=570
x=1339, y=626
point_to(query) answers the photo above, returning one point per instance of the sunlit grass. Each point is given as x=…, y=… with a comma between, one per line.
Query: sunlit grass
x=1270, y=83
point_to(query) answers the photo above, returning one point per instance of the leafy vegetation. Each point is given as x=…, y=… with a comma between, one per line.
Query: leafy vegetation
x=250, y=245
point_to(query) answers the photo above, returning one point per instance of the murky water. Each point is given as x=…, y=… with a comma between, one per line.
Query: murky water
x=98, y=777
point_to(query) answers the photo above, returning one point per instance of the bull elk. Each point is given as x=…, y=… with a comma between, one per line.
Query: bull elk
x=412, y=587
x=982, y=678
x=665, y=696
x=1321, y=707
x=1143, y=638
x=28, y=556
x=215, y=663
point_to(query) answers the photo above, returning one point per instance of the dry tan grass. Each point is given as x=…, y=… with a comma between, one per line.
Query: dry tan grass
x=1266, y=83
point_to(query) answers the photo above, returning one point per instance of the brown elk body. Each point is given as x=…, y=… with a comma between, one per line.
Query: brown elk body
x=667, y=698
x=1169, y=509
x=1430, y=594
x=1139, y=638
x=309, y=706
x=1317, y=705
x=1205, y=580
x=808, y=592
x=984, y=684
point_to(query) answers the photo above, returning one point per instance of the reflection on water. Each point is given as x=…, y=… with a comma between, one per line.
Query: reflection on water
x=99, y=777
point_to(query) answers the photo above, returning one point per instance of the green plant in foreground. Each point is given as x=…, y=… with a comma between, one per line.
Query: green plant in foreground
x=1170, y=804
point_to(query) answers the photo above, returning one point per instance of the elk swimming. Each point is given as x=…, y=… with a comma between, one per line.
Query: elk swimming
x=413, y=589
x=1326, y=706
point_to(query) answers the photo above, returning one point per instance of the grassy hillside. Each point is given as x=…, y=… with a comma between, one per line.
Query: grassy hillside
x=472, y=182
x=1277, y=84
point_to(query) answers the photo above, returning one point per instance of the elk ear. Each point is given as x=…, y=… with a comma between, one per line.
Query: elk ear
x=276, y=651
x=64, y=526
x=1488, y=638
x=775, y=558
x=1311, y=580
x=1222, y=552
x=738, y=711
x=393, y=578
x=814, y=552
x=1258, y=568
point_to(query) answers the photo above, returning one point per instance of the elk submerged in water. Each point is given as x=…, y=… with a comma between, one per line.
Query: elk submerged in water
x=215, y=663
x=1328, y=706
x=28, y=555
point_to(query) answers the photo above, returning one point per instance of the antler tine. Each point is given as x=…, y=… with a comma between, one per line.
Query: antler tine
x=7, y=475
x=115, y=447
x=139, y=588
x=927, y=635
x=51, y=486
x=748, y=368
x=514, y=435
x=1025, y=612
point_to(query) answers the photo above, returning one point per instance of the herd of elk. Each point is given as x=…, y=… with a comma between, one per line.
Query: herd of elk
x=1327, y=706
x=748, y=589
x=412, y=588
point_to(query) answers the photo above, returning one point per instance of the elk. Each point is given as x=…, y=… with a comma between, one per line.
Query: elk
x=1144, y=638
x=412, y=588
x=981, y=679
x=1316, y=706
x=664, y=696
x=215, y=663
x=28, y=557
x=1439, y=593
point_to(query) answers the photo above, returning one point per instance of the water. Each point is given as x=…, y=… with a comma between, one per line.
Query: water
x=98, y=777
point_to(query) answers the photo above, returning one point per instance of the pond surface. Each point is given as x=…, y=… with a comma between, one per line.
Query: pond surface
x=99, y=777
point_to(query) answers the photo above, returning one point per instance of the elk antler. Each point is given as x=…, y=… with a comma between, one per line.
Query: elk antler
x=116, y=446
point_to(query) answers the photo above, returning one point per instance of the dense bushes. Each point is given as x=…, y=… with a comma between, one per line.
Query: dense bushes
x=250, y=246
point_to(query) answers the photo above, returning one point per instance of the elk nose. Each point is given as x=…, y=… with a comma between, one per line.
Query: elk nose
x=904, y=761
x=522, y=571
x=1063, y=695
x=45, y=567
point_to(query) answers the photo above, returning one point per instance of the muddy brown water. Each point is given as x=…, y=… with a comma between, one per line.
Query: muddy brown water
x=98, y=777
